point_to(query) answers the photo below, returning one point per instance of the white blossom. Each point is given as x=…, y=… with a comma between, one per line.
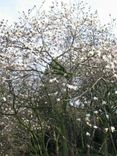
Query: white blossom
x=95, y=98
x=112, y=129
x=95, y=127
x=95, y=112
x=58, y=99
x=72, y=87
x=87, y=133
x=55, y=93
x=78, y=119
x=53, y=80
x=4, y=99
x=106, y=129
x=88, y=115
x=103, y=102
x=88, y=124
x=88, y=146
x=115, y=91
x=107, y=116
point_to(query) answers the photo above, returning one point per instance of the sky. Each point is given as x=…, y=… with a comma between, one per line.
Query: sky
x=9, y=9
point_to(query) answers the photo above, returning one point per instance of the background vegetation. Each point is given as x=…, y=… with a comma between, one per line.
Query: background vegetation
x=58, y=84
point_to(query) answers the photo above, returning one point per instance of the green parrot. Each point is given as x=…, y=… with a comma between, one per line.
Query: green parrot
x=58, y=69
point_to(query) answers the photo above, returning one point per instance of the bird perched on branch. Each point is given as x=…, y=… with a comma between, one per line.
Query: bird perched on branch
x=59, y=69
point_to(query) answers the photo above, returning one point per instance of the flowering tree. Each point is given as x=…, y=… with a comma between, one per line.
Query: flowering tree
x=58, y=69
